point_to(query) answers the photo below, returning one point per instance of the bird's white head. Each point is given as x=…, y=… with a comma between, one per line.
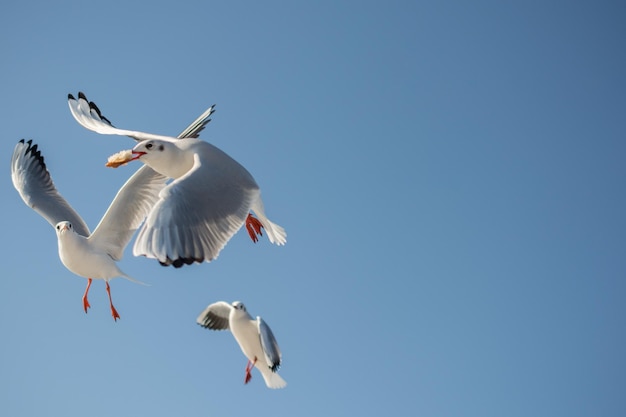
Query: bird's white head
x=163, y=156
x=238, y=305
x=63, y=227
x=148, y=149
x=238, y=312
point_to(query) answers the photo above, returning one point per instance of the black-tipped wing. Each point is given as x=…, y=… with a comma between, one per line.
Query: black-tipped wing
x=215, y=316
x=32, y=180
x=269, y=345
x=88, y=115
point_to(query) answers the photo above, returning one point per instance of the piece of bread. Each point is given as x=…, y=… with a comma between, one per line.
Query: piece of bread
x=119, y=159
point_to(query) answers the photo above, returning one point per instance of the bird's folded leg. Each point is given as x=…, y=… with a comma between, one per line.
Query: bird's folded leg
x=249, y=368
x=85, y=300
x=254, y=226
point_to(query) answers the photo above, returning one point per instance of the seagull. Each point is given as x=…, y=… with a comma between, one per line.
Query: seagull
x=254, y=336
x=89, y=255
x=207, y=202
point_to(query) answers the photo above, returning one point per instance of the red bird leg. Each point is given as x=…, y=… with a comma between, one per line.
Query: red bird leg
x=249, y=368
x=254, y=226
x=113, y=310
x=85, y=300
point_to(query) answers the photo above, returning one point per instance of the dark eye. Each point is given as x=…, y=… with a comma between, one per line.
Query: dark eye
x=149, y=146
x=70, y=225
x=58, y=227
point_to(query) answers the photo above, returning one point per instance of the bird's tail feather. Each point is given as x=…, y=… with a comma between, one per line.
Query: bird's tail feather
x=136, y=281
x=275, y=233
x=273, y=380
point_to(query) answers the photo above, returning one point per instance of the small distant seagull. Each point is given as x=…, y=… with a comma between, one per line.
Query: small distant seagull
x=207, y=203
x=255, y=338
x=90, y=255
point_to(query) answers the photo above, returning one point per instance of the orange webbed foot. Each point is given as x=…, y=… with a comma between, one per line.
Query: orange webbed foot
x=254, y=226
x=86, y=304
x=114, y=313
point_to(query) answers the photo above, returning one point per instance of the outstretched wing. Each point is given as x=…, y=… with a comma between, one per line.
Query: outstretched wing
x=128, y=210
x=269, y=345
x=215, y=316
x=34, y=183
x=88, y=116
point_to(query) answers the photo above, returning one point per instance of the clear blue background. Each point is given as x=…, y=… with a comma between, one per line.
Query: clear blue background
x=450, y=174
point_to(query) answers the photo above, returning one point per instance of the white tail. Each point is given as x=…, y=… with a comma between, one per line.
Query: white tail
x=273, y=380
x=275, y=233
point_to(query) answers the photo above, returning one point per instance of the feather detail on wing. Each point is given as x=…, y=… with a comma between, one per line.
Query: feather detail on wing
x=128, y=210
x=269, y=345
x=88, y=115
x=215, y=316
x=176, y=232
x=194, y=129
x=33, y=182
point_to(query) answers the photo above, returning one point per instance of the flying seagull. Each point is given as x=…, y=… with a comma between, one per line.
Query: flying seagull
x=89, y=255
x=207, y=202
x=254, y=336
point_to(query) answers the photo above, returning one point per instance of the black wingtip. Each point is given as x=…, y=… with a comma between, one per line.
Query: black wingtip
x=274, y=367
x=70, y=97
x=34, y=151
x=183, y=261
x=180, y=262
x=93, y=106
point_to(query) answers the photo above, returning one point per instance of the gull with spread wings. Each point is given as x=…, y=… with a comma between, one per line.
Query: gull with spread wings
x=210, y=198
x=90, y=255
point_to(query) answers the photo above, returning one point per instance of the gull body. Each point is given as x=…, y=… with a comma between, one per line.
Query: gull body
x=82, y=257
x=254, y=336
x=207, y=202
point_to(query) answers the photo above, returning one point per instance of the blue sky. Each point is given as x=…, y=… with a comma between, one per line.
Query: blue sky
x=450, y=175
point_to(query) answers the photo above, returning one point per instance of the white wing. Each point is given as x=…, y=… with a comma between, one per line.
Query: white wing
x=129, y=208
x=215, y=316
x=87, y=113
x=88, y=116
x=198, y=213
x=269, y=345
x=32, y=180
x=194, y=129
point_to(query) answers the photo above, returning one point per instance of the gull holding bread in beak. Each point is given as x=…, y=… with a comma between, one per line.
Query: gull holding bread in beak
x=210, y=198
